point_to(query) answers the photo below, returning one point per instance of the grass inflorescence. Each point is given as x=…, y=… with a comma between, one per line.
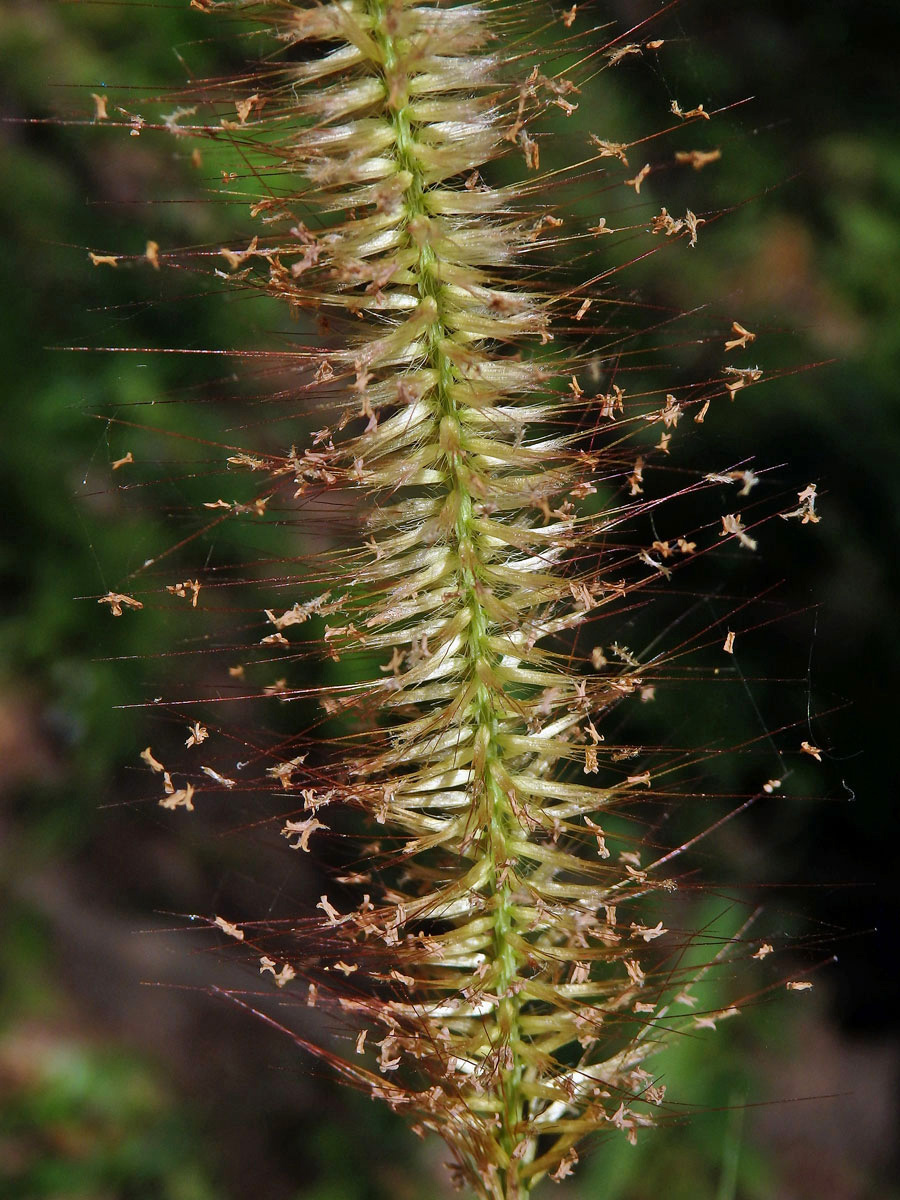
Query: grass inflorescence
x=503, y=970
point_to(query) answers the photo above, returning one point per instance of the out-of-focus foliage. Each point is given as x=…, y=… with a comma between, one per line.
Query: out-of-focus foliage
x=107, y=1088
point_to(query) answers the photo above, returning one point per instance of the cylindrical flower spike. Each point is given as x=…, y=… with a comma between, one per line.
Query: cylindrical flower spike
x=504, y=989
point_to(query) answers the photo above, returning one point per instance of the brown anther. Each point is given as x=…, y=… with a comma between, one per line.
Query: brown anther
x=638, y=179
x=698, y=159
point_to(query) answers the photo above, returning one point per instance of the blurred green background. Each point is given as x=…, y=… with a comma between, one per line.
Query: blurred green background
x=110, y=1088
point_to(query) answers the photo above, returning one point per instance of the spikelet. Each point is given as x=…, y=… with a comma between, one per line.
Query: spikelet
x=498, y=981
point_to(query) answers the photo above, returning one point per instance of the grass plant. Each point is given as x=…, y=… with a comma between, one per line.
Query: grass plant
x=483, y=446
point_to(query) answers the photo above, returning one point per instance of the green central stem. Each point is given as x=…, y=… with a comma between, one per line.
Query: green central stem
x=487, y=706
